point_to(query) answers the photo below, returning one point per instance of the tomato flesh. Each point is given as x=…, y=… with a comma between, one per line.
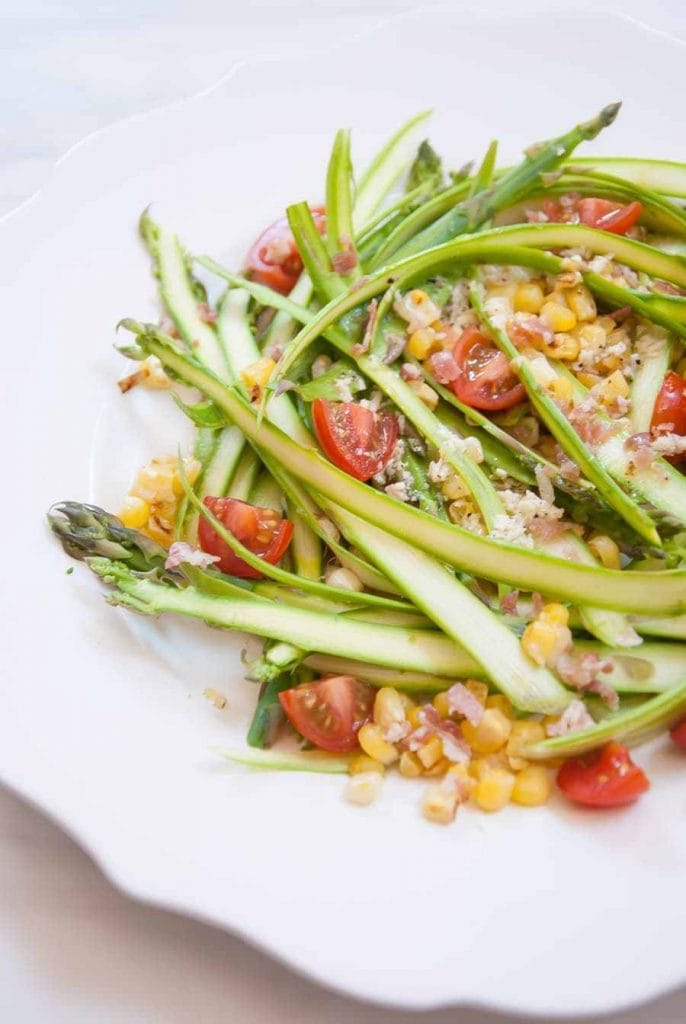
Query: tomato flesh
x=485, y=379
x=274, y=259
x=354, y=438
x=678, y=734
x=262, y=530
x=595, y=212
x=605, y=778
x=670, y=405
x=329, y=712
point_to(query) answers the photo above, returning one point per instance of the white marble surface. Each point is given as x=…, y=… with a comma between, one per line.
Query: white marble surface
x=72, y=948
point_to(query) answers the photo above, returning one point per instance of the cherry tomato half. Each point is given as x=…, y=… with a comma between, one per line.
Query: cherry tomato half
x=670, y=404
x=260, y=529
x=605, y=778
x=354, y=438
x=485, y=380
x=678, y=734
x=329, y=712
x=274, y=259
x=608, y=216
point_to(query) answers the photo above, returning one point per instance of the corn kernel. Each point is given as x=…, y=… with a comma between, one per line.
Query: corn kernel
x=388, y=708
x=424, y=393
x=532, y=786
x=581, y=303
x=615, y=386
x=606, y=550
x=364, y=788
x=563, y=346
x=442, y=704
x=440, y=768
x=406, y=700
x=439, y=803
x=557, y=317
x=555, y=613
x=517, y=764
x=478, y=690
x=524, y=732
x=494, y=789
x=363, y=763
x=544, y=641
x=258, y=373
x=501, y=702
x=529, y=297
x=370, y=737
x=430, y=752
x=466, y=781
x=561, y=388
x=490, y=734
x=134, y=512
x=413, y=716
x=589, y=380
x=160, y=526
x=503, y=291
x=453, y=488
x=409, y=766
x=422, y=343
x=480, y=766
x=591, y=336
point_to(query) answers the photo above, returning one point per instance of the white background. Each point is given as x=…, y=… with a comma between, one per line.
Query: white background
x=72, y=949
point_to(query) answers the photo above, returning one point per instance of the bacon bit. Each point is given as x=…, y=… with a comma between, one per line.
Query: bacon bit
x=206, y=314
x=345, y=261
x=181, y=553
x=462, y=702
x=273, y=350
x=574, y=718
x=639, y=445
x=666, y=288
x=455, y=747
x=358, y=350
x=586, y=420
x=568, y=469
x=621, y=314
x=408, y=371
x=528, y=330
x=581, y=671
x=395, y=344
x=549, y=529
x=536, y=603
x=536, y=216
x=508, y=602
x=443, y=367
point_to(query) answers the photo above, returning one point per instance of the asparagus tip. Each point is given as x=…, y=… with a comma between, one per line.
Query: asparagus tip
x=609, y=113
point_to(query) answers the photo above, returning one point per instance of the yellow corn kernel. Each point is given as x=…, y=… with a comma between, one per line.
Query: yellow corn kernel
x=257, y=374
x=413, y=716
x=362, y=789
x=581, y=302
x=409, y=766
x=524, y=732
x=500, y=701
x=563, y=346
x=422, y=343
x=453, y=488
x=494, y=789
x=160, y=525
x=406, y=700
x=555, y=613
x=615, y=386
x=589, y=380
x=466, y=780
x=480, y=766
x=561, y=388
x=503, y=291
x=544, y=641
x=388, y=708
x=363, y=763
x=532, y=786
x=442, y=704
x=591, y=336
x=557, y=317
x=134, y=512
x=440, y=768
x=370, y=737
x=478, y=690
x=439, y=803
x=606, y=550
x=529, y=297
x=517, y=764
x=418, y=297
x=490, y=734
x=424, y=393
x=430, y=752
x=191, y=468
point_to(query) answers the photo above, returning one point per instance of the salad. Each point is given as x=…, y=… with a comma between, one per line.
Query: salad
x=440, y=435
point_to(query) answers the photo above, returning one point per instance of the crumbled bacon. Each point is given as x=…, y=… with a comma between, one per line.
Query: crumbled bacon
x=574, y=718
x=358, y=350
x=548, y=529
x=181, y=553
x=667, y=288
x=536, y=603
x=443, y=367
x=206, y=314
x=527, y=329
x=642, y=454
x=167, y=325
x=508, y=602
x=462, y=701
x=590, y=427
x=431, y=724
x=408, y=371
x=344, y=261
x=582, y=672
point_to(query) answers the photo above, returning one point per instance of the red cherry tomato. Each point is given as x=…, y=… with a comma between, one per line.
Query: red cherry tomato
x=670, y=404
x=274, y=259
x=329, y=712
x=260, y=529
x=485, y=380
x=678, y=734
x=357, y=440
x=605, y=778
x=608, y=216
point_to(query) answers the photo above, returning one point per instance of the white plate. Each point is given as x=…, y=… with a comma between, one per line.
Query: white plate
x=548, y=911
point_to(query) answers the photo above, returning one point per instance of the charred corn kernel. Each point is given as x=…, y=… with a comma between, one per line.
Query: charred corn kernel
x=414, y=717
x=581, y=303
x=490, y=734
x=430, y=752
x=494, y=789
x=364, y=788
x=615, y=386
x=442, y=704
x=439, y=803
x=564, y=346
x=453, y=488
x=531, y=786
x=555, y=613
x=606, y=550
x=440, y=768
x=561, y=388
x=528, y=297
x=557, y=317
x=257, y=374
x=388, y=708
x=500, y=701
x=371, y=739
x=134, y=512
x=424, y=393
x=523, y=733
x=422, y=343
x=478, y=690
x=363, y=763
x=409, y=765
